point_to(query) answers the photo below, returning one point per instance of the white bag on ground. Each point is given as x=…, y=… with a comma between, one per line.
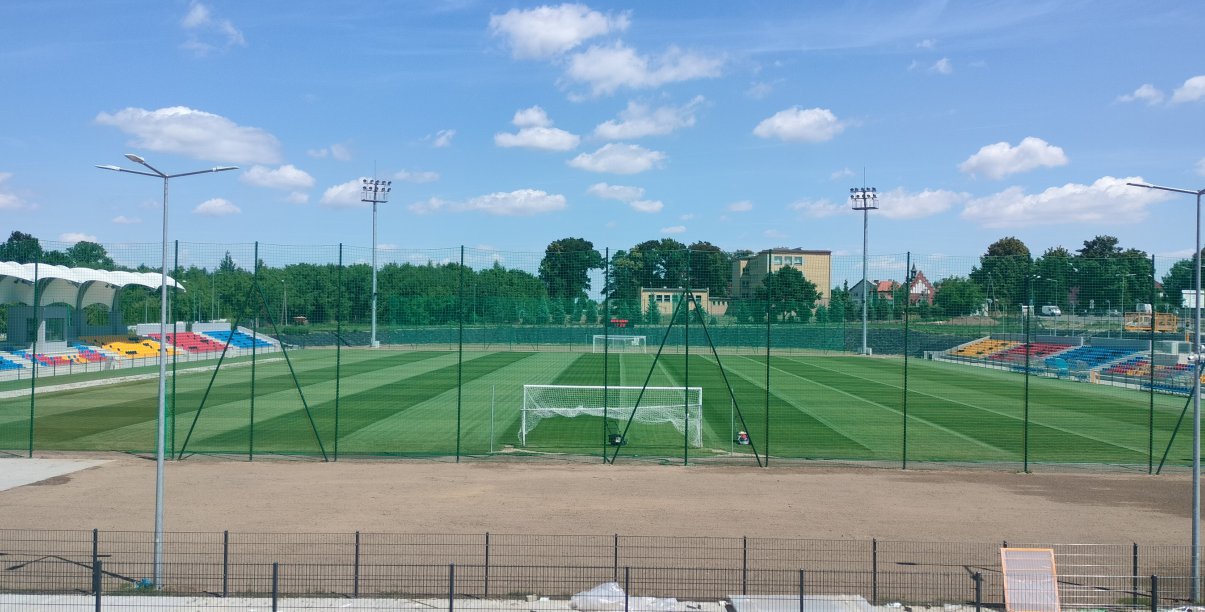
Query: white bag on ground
x=608, y=596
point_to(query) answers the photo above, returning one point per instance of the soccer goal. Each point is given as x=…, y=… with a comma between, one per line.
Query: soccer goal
x=621, y=344
x=681, y=407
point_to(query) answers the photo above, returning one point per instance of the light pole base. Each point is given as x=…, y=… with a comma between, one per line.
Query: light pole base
x=376, y=344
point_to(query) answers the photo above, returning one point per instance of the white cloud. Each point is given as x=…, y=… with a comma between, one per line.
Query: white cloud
x=335, y=151
x=344, y=195
x=646, y=206
x=522, y=202
x=759, y=90
x=639, y=120
x=1192, y=90
x=193, y=133
x=206, y=34
x=416, y=176
x=618, y=158
x=686, y=217
x=623, y=193
x=443, y=139
x=547, y=31
x=9, y=200
x=297, y=197
x=287, y=177
x=74, y=237
x=800, y=125
x=996, y=161
x=536, y=132
x=216, y=207
x=942, y=66
x=840, y=174
x=740, y=207
x=818, y=209
x=124, y=220
x=608, y=68
x=899, y=204
x=674, y=229
x=1145, y=93
x=927, y=43
x=1108, y=201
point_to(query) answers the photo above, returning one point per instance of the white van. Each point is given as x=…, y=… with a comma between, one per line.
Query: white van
x=1051, y=311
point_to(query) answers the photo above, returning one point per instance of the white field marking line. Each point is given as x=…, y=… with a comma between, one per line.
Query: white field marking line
x=981, y=408
x=888, y=408
x=801, y=408
x=397, y=421
x=103, y=382
x=277, y=408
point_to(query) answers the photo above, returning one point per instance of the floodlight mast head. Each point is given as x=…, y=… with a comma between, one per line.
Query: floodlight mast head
x=864, y=198
x=375, y=191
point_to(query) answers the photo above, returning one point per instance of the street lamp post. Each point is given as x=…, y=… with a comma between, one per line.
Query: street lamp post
x=1194, y=588
x=161, y=429
x=377, y=192
x=284, y=302
x=864, y=199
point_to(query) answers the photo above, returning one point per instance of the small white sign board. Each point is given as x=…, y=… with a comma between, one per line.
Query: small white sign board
x=1030, y=581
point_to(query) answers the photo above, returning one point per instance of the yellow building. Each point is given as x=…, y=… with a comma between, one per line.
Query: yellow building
x=667, y=300
x=749, y=273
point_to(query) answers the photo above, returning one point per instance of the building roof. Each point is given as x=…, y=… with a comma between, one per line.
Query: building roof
x=76, y=286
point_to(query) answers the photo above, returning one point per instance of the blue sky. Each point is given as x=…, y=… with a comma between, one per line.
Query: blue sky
x=508, y=125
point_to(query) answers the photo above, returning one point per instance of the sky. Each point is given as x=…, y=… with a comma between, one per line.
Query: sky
x=505, y=126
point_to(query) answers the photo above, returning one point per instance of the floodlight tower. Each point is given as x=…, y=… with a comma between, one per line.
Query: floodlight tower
x=864, y=199
x=161, y=433
x=377, y=192
x=1195, y=584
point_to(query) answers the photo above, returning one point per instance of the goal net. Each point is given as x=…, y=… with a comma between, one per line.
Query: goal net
x=621, y=344
x=681, y=407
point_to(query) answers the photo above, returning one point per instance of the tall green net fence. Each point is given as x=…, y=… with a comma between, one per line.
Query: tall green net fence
x=652, y=352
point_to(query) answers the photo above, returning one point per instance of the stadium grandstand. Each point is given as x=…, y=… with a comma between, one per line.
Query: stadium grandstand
x=46, y=325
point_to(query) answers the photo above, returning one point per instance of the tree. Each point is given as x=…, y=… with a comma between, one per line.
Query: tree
x=792, y=296
x=1108, y=276
x=84, y=254
x=1003, y=272
x=957, y=296
x=566, y=267
x=21, y=248
x=1178, y=279
x=1054, y=275
x=652, y=314
x=710, y=268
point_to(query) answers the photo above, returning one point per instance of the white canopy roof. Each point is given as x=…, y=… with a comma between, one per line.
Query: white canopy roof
x=76, y=286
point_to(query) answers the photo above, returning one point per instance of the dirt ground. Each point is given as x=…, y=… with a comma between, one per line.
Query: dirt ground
x=797, y=501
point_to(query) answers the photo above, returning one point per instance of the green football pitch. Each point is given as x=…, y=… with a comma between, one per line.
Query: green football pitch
x=426, y=403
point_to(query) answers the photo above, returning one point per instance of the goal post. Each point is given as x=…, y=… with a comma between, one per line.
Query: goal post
x=620, y=344
x=681, y=407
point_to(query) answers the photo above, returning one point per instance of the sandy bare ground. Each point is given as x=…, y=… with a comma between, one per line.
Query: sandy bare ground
x=795, y=501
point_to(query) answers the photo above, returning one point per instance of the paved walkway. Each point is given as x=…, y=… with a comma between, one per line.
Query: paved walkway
x=20, y=472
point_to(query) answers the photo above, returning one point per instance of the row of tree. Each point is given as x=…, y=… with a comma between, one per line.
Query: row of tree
x=1100, y=276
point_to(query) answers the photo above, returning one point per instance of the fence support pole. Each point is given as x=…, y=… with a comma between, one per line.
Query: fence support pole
x=487, y=565
x=615, y=558
x=451, y=586
x=275, y=584
x=1134, y=584
x=874, y=571
x=355, y=576
x=801, y=591
x=627, y=586
x=978, y=578
x=1154, y=594
x=96, y=574
x=95, y=546
x=744, y=565
x=226, y=563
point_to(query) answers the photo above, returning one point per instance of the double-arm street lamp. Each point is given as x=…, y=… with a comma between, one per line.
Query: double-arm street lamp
x=161, y=433
x=376, y=192
x=1194, y=588
x=865, y=200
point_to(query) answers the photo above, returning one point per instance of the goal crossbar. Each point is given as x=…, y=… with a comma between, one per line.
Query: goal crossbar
x=681, y=407
x=620, y=344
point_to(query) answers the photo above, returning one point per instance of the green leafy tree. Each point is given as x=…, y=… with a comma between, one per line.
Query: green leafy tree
x=565, y=268
x=710, y=268
x=957, y=296
x=21, y=248
x=791, y=296
x=1003, y=273
x=652, y=314
x=86, y=254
